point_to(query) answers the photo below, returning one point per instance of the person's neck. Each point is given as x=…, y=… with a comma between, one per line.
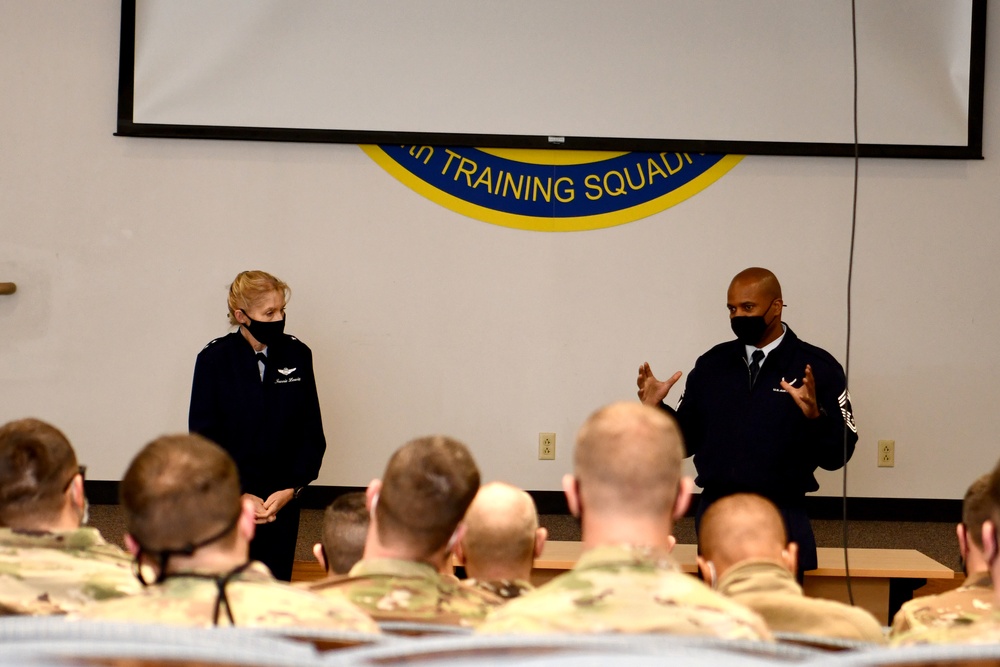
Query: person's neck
x=975, y=562
x=772, y=334
x=208, y=560
x=614, y=529
x=254, y=343
x=492, y=572
x=67, y=520
x=375, y=549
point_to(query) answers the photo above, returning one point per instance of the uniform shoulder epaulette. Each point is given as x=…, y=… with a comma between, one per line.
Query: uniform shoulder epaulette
x=212, y=342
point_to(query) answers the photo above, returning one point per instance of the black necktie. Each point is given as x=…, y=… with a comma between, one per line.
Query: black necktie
x=262, y=358
x=757, y=357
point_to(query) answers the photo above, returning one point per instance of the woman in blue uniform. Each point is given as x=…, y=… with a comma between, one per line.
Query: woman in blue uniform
x=254, y=393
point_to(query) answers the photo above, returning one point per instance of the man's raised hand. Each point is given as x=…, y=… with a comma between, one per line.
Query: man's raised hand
x=653, y=391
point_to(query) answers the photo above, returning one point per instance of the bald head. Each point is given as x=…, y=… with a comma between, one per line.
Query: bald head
x=501, y=530
x=628, y=461
x=761, y=280
x=740, y=527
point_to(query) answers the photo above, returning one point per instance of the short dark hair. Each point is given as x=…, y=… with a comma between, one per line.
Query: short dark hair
x=976, y=509
x=179, y=491
x=345, y=528
x=993, y=498
x=427, y=486
x=37, y=464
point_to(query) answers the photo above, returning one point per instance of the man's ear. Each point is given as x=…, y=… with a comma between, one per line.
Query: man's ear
x=541, y=535
x=459, y=553
x=683, y=500
x=963, y=541
x=131, y=545
x=320, y=556
x=708, y=572
x=989, y=542
x=457, y=536
x=371, y=494
x=247, y=523
x=572, y=492
x=76, y=492
x=790, y=557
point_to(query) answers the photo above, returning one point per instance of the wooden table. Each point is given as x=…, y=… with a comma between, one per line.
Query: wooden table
x=880, y=578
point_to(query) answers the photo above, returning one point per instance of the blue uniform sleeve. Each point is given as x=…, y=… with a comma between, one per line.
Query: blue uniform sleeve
x=203, y=414
x=834, y=431
x=312, y=445
x=687, y=415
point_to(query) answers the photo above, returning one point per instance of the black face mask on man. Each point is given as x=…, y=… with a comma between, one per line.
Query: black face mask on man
x=749, y=329
x=267, y=333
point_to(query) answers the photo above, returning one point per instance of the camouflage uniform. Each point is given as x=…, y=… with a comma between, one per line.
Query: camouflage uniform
x=507, y=589
x=983, y=630
x=402, y=590
x=255, y=599
x=966, y=603
x=55, y=573
x=626, y=589
x=770, y=590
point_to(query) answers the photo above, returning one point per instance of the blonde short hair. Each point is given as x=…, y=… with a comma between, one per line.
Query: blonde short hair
x=249, y=287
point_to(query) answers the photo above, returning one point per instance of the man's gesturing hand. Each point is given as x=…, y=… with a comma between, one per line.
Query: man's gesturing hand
x=804, y=396
x=652, y=391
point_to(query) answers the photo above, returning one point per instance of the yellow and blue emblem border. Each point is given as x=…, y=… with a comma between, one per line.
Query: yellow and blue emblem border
x=551, y=191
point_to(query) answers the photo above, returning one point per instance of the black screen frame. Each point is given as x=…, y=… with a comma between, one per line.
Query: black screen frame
x=973, y=150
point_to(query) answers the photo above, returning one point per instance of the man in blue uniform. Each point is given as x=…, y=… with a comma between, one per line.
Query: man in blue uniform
x=254, y=394
x=762, y=412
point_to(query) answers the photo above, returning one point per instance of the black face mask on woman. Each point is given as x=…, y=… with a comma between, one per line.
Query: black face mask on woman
x=749, y=329
x=265, y=332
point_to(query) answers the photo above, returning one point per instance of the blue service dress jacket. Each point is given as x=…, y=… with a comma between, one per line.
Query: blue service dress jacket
x=272, y=428
x=755, y=439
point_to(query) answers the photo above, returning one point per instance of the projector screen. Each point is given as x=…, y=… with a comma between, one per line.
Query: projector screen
x=720, y=76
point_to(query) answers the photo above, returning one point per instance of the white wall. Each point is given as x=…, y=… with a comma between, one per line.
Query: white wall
x=422, y=320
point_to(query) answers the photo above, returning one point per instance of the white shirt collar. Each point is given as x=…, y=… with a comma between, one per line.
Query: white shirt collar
x=767, y=349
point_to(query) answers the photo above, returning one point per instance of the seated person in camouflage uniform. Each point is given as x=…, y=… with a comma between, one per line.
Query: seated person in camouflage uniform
x=345, y=530
x=985, y=628
x=502, y=539
x=746, y=556
x=974, y=597
x=49, y=563
x=416, y=517
x=627, y=489
x=190, y=531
